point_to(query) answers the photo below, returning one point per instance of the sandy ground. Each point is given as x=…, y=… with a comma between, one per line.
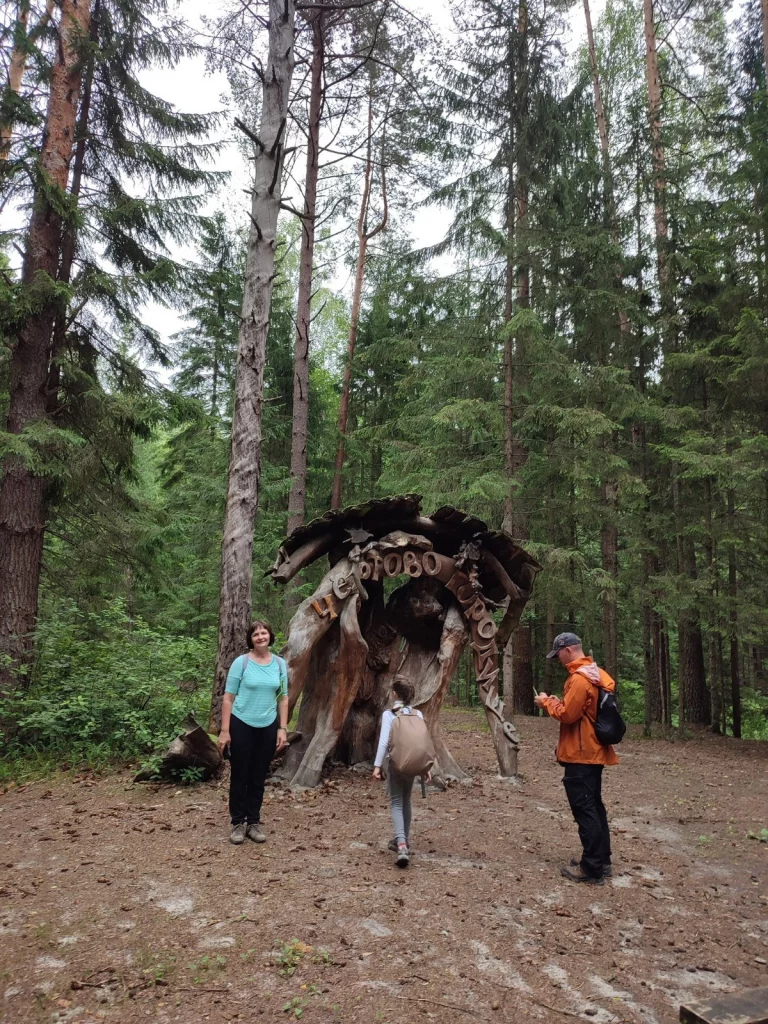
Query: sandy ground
x=124, y=902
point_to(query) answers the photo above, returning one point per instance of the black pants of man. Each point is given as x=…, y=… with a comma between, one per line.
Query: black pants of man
x=251, y=752
x=583, y=786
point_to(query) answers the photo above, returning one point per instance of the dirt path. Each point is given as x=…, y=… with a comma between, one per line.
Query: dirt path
x=122, y=902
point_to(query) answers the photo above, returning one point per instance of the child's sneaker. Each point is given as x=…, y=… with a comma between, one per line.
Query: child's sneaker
x=403, y=857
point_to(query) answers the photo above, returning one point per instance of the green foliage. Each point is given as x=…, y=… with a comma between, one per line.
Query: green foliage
x=108, y=689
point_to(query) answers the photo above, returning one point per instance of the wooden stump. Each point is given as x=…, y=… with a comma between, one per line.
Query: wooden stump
x=192, y=748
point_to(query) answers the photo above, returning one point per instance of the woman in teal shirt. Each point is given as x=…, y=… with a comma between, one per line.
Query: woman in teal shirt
x=254, y=722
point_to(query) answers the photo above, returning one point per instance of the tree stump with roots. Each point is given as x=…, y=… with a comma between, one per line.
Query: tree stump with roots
x=355, y=634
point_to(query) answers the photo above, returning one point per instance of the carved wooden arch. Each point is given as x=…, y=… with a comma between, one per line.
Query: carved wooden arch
x=345, y=645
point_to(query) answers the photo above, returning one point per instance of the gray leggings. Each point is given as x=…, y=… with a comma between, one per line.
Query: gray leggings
x=399, y=790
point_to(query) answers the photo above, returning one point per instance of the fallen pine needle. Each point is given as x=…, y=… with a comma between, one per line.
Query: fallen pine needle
x=436, y=1002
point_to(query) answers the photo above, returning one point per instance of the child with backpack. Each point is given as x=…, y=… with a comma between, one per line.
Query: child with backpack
x=405, y=739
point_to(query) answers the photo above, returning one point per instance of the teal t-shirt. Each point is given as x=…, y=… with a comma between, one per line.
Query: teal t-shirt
x=258, y=691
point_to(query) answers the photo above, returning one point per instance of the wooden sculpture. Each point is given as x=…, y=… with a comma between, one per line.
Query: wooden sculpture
x=349, y=639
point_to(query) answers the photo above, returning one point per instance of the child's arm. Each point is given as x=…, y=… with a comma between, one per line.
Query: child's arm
x=381, y=752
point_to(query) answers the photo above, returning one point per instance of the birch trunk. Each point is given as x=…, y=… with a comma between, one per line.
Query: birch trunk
x=364, y=236
x=22, y=492
x=298, y=497
x=245, y=455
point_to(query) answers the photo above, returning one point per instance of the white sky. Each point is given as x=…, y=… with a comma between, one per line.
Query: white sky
x=193, y=90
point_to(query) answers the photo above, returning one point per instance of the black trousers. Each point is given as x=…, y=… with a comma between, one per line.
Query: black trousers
x=583, y=787
x=251, y=752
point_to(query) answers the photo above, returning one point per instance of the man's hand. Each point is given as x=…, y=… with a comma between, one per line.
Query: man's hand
x=377, y=774
x=539, y=699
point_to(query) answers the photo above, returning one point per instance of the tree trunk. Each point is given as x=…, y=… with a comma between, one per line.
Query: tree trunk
x=298, y=496
x=522, y=645
x=245, y=456
x=18, y=65
x=764, y=5
x=364, y=236
x=609, y=543
x=733, y=620
x=661, y=223
x=507, y=660
x=22, y=491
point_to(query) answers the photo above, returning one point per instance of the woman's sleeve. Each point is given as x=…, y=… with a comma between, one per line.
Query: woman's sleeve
x=283, y=691
x=235, y=675
x=386, y=728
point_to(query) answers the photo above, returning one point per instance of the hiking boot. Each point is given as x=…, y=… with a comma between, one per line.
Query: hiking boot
x=392, y=845
x=578, y=875
x=403, y=857
x=254, y=832
x=238, y=833
x=607, y=869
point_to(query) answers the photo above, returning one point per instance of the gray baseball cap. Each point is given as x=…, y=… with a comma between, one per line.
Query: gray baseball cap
x=564, y=640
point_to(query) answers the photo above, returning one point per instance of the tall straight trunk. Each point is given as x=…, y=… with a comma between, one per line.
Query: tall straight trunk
x=609, y=490
x=297, y=500
x=609, y=544
x=764, y=5
x=364, y=236
x=660, y=219
x=22, y=492
x=715, y=644
x=507, y=663
x=69, y=238
x=17, y=66
x=733, y=619
x=522, y=644
x=245, y=454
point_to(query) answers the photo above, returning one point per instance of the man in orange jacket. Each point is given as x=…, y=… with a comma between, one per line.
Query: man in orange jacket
x=583, y=756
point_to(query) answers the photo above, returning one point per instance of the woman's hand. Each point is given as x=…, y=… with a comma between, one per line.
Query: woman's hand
x=282, y=739
x=223, y=740
x=377, y=774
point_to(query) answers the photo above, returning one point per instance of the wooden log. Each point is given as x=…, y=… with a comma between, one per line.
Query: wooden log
x=192, y=748
x=452, y=642
x=747, y=1007
x=331, y=716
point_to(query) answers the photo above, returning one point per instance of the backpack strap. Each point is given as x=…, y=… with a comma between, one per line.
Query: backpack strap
x=243, y=665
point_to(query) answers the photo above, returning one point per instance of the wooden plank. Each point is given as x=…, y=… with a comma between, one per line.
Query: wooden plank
x=749, y=1007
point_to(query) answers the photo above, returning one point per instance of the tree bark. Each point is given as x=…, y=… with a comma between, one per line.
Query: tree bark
x=609, y=543
x=764, y=7
x=298, y=496
x=18, y=65
x=733, y=619
x=245, y=455
x=507, y=661
x=22, y=490
x=364, y=236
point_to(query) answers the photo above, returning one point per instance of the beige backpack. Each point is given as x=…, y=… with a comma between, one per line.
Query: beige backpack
x=411, y=752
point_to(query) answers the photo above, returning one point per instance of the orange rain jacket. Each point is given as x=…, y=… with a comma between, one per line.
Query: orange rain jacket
x=576, y=713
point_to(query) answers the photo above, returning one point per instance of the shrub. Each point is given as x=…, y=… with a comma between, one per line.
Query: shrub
x=106, y=688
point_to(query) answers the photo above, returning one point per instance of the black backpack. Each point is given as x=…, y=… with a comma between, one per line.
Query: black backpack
x=609, y=725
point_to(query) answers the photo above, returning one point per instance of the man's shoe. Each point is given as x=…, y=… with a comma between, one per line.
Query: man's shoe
x=403, y=857
x=238, y=833
x=578, y=875
x=254, y=832
x=607, y=869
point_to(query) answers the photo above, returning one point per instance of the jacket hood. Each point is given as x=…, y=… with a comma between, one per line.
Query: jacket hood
x=586, y=667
